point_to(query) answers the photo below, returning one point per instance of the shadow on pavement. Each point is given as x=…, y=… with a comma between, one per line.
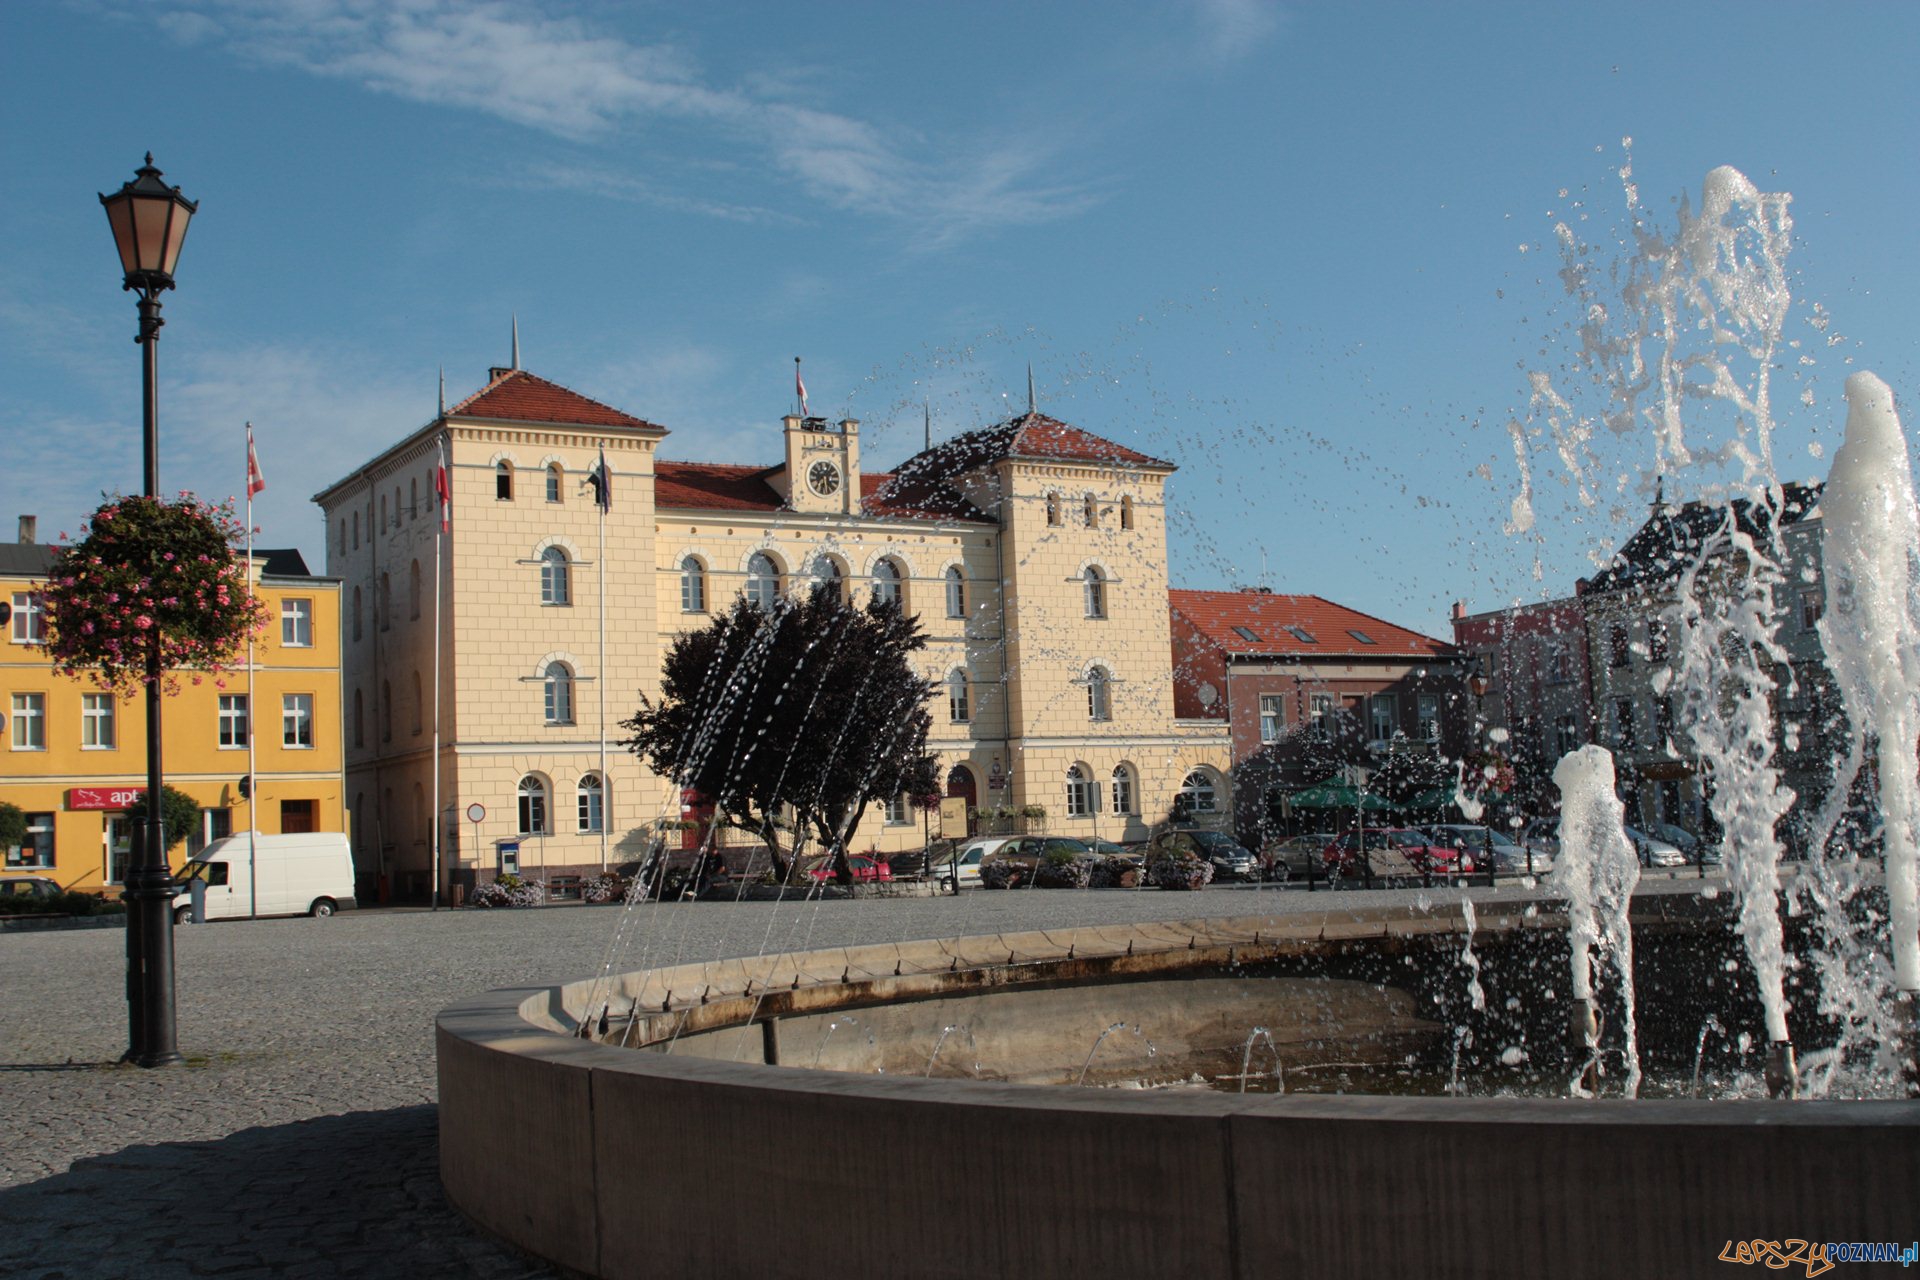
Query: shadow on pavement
x=348, y=1195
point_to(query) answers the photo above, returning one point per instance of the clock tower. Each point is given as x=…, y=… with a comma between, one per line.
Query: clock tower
x=822, y=472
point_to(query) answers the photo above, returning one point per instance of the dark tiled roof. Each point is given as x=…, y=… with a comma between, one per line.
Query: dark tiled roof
x=1279, y=626
x=714, y=486
x=515, y=395
x=285, y=562
x=926, y=482
x=1670, y=541
x=31, y=559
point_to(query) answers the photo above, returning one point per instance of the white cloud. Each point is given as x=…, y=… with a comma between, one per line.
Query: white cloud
x=1230, y=29
x=558, y=75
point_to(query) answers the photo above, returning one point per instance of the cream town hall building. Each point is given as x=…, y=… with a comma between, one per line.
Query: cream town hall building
x=1034, y=554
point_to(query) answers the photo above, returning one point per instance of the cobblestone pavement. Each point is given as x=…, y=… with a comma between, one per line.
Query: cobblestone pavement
x=300, y=1138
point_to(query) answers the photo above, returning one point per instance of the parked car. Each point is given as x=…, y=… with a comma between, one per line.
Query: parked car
x=1231, y=860
x=1509, y=855
x=865, y=869
x=1386, y=861
x=1655, y=852
x=1108, y=849
x=966, y=860
x=13, y=888
x=1028, y=851
x=1399, y=853
x=1694, y=847
x=1542, y=835
x=1296, y=857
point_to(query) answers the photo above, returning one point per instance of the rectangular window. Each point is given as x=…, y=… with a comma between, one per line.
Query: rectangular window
x=1559, y=664
x=1657, y=646
x=1623, y=722
x=1385, y=714
x=296, y=720
x=36, y=850
x=26, y=618
x=1273, y=715
x=29, y=722
x=1566, y=734
x=215, y=824
x=1429, y=717
x=1322, y=704
x=96, y=722
x=896, y=811
x=1619, y=650
x=1813, y=603
x=296, y=624
x=1662, y=720
x=233, y=719
x=119, y=848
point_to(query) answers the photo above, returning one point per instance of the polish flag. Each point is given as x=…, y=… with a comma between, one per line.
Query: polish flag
x=800, y=389
x=255, y=481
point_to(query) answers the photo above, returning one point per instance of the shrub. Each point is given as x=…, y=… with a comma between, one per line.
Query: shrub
x=603, y=888
x=1063, y=870
x=71, y=903
x=1001, y=875
x=1171, y=870
x=1114, y=873
x=179, y=813
x=13, y=825
x=510, y=891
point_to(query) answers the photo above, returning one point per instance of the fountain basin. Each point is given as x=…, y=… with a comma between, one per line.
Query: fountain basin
x=613, y=1162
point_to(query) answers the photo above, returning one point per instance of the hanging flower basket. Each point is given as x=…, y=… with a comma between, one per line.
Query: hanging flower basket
x=147, y=567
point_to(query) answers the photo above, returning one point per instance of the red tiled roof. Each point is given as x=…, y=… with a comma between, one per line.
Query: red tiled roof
x=518, y=396
x=1216, y=613
x=1035, y=435
x=722, y=486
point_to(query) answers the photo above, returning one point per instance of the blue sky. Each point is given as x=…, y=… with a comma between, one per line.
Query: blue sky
x=1305, y=251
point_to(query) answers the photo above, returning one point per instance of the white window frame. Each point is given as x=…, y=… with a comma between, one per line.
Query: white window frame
x=1273, y=716
x=531, y=814
x=1122, y=789
x=99, y=723
x=29, y=732
x=590, y=804
x=296, y=721
x=1094, y=584
x=889, y=583
x=233, y=712
x=36, y=852
x=556, y=578
x=693, y=585
x=1383, y=713
x=29, y=615
x=1203, y=795
x=556, y=686
x=956, y=592
x=1099, y=695
x=1428, y=707
x=894, y=810
x=1080, y=793
x=763, y=580
x=959, y=698
x=296, y=623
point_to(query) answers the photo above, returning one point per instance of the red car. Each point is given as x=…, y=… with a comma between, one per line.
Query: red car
x=864, y=869
x=1396, y=853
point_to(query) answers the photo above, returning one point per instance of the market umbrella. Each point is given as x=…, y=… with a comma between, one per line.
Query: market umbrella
x=1337, y=795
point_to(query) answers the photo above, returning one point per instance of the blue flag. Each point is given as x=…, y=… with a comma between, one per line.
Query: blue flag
x=602, y=481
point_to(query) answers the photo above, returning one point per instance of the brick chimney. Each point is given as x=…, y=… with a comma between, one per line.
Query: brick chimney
x=29, y=525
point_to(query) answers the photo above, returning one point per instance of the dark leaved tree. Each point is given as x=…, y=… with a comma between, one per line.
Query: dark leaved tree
x=178, y=810
x=813, y=705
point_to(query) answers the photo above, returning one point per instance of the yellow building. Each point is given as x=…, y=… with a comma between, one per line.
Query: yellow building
x=1033, y=553
x=74, y=758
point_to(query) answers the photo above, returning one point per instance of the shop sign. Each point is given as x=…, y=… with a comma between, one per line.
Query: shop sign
x=110, y=798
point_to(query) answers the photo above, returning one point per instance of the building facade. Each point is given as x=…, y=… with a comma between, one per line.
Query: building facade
x=1033, y=553
x=1536, y=686
x=75, y=757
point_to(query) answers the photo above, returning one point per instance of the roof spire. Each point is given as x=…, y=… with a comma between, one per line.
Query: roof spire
x=926, y=407
x=1660, y=496
x=1031, y=406
x=443, y=391
x=516, y=340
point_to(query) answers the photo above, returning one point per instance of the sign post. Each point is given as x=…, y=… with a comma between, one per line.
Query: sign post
x=475, y=812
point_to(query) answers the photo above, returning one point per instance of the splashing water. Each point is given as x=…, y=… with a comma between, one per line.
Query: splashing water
x=1598, y=870
x=1475, y=992
x=1254, y=1037
x=1102, y=1039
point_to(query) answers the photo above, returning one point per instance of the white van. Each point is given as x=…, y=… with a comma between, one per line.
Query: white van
x=309, y=874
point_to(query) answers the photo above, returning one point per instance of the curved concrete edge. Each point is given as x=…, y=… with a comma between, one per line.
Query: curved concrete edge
x=612, y=1162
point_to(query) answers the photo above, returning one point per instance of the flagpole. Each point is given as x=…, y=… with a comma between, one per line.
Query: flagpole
x=439, y=539
x=606, y=787
x=253, y=782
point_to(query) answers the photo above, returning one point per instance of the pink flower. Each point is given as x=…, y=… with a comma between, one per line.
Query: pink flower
x=143, y=622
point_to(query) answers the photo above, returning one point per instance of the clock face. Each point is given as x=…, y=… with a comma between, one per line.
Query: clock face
x=824, y=479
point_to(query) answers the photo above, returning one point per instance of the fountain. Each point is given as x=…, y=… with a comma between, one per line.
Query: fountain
x=548, y=1094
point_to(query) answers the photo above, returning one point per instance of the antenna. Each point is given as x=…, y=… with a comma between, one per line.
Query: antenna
x=443, y=391
x=1031, y=405
x=927, y=408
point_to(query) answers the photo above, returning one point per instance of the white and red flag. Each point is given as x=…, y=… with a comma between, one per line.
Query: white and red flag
x=255, y=481
x=444, y=492
x=800, y=389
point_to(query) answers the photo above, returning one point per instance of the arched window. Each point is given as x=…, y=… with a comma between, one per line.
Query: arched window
x=591, y=796
x=559, y=693
x=356, y=613
x=383, y=513
x=1091, y=505
x=828, y=573
x=386, y=711
x=1099, y=694
x=396, y=506
x=343, y=533
x=693, y=586
x=886, y=582
x=1053, y=508
x=413, y=497
x=763, y=580
x=1122, y=789
x=1198, y=792
x=503, y=480
x=359, y=720
x=356, y=531
x=1096, y=589
x=956, y=593
x=383, y=605
x=533, y=805
x=419, y=706
x=554, y=476
x=413, y=590
x=1079, y=792
x=958, y=710
x=1126, y=512
x=556, y=586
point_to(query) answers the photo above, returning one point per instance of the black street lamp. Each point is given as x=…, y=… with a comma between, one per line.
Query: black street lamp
x=149, y=221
